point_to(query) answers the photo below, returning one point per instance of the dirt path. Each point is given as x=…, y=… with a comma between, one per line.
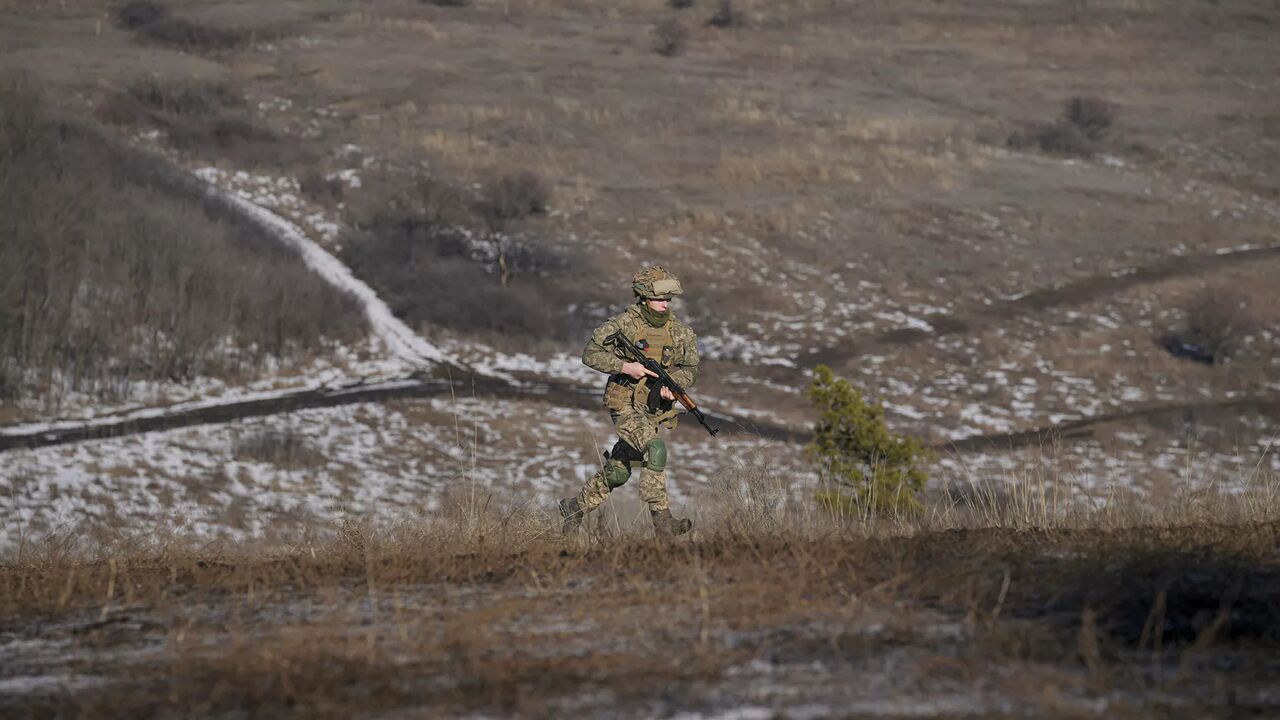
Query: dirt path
x=446, y=380
x=1084, y=426
x=1076, y=292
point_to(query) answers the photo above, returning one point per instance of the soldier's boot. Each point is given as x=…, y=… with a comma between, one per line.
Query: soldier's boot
x=571, y=514
x=666, y=527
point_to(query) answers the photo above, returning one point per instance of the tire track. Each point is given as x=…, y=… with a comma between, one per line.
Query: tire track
x=1083, y=427
x=456, y=381
x=1076, y=292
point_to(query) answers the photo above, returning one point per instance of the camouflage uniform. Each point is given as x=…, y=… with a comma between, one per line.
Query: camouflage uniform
x=671, y=343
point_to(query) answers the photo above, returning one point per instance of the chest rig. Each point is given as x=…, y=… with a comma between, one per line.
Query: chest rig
x=623, y=392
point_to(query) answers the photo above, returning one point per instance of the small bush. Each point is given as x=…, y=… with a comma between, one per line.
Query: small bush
x=187, y=35
x=1091, y=116
x=669, y=37
x=325, y=190
x=513, y=197
x=134, y=15
x=680, y=4
x=1084, y=123
x=284, y=448
x=1217, y=323
x=185, y=97
x=725, y=16
x=1064, y=139
x=448, y=3
x=871, y=469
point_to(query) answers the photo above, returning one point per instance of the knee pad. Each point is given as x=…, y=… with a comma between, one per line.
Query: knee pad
x=616, y=474
x=624, y=453
x=655, y=456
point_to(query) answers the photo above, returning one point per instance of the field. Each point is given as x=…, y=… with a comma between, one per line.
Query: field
x=292, y=296
x=1018, y=607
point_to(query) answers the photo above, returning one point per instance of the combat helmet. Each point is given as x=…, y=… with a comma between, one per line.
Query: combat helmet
x=656, y=283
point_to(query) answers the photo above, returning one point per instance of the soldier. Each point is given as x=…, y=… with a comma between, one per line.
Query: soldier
x=651, y=325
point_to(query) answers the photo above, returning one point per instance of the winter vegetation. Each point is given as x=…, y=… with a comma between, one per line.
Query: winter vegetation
x=292, y=296
x=113, y=272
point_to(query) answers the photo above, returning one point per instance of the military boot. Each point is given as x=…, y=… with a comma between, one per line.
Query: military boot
x=571, y=512
x=665, y=526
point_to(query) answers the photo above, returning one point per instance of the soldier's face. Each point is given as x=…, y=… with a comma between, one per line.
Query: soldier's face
x=658, y=305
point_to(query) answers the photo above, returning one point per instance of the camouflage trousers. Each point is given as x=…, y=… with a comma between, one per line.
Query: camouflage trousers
x=636, y=429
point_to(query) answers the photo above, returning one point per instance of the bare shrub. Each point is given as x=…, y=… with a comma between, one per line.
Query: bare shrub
x=1090, y=115
x=138, y=13
x=196, y=37
x=152, y=22
x=326, y=190
x=513, y=196
x=680, y=4
x=1063, y=139
x=283, y=447
x=185, y=97
x=669, y=37
x=725, y=16
x=1218, y=320
x=1084, y=124
x=448, y=3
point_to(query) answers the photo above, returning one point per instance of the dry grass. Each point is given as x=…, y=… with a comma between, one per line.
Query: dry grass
x=486, y=610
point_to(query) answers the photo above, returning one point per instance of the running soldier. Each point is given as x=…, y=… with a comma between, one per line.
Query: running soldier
x=651, y=325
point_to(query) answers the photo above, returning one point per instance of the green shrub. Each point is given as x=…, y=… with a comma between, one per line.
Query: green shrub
x=868, y=468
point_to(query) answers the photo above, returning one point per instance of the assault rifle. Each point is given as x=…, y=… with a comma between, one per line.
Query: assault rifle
x=635, y=353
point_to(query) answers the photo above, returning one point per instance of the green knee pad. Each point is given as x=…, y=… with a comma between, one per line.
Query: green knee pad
x=616, y=474
x=655, y=455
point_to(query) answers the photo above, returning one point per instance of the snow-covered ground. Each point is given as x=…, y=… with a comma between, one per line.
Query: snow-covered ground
x=390, y=459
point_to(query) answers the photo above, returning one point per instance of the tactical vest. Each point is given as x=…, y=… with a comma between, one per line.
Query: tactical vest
x=623, y=392
x=657, y=342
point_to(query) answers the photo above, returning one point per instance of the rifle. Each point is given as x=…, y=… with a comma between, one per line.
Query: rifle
x=633, y=352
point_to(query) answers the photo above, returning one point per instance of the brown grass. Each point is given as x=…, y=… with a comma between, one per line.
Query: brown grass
x=485, y=610
x=113, y=270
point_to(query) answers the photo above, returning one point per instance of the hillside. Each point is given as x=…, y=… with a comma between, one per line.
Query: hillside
x=292, y=296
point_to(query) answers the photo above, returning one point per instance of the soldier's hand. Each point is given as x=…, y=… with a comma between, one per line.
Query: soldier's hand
x=666, y=394
x=637, y=371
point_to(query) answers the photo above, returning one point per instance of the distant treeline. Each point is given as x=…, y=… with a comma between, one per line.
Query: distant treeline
x=116, y=268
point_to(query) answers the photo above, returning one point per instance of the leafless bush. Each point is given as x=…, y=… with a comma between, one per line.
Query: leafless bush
x=1063, y=139
x=1083, y=126
x=319, y=187
x=669, y=37
x=725, y=16
x=138, y=13
x=1217, y=322
x=448, y=3
x=185, y=97
x=196, y=37
x=152, y=21
x=680, y=4
x=1090, y=115
x=283, y=447
x=110, y=273
x=198, y=115
x=513, y=196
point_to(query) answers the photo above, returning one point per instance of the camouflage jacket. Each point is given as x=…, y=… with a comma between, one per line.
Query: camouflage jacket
x=683, y=358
